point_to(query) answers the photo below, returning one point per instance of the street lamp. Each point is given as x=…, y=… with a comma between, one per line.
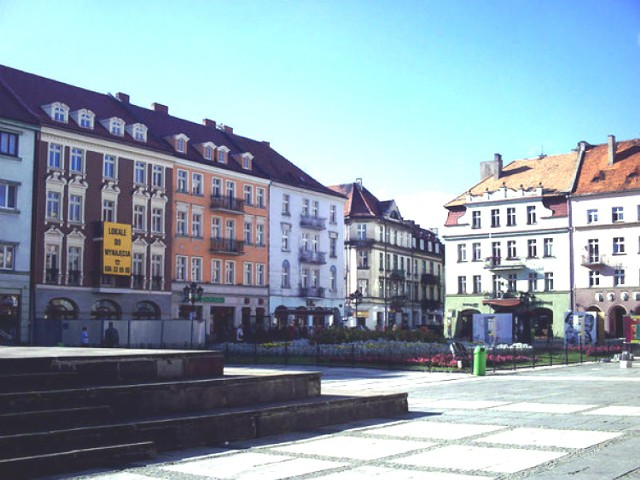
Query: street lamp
x=192, y=293
x=356, y=297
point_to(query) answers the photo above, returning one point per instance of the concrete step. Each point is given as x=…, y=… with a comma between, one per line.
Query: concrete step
x=159, y=398
x=24, y=467
x=33, y=421
x=21, y=382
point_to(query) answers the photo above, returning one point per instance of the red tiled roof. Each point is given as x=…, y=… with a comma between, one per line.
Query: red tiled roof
x=360, y=201
x=596, y=175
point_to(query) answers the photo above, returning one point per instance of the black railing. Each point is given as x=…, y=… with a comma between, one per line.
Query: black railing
x=227, y=203
x=226, y=245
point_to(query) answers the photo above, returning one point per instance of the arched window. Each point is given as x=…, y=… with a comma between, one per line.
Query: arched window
x=286, y=274
x=146, y=310
x=106, y=310
x=61, y=309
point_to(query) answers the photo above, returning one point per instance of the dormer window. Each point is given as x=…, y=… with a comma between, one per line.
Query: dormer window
x=58, y=112
x=247, y=160
x=180, y=145
x=138, y=132
x=222, y=154
x=208, y=152
x=115, y=126
x=83, y=117
x=178, y=142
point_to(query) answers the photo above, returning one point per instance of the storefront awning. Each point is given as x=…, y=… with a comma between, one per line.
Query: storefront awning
x=502, y=302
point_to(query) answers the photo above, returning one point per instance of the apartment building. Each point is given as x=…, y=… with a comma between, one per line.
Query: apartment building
x=509, y=246
x=394, y=269
x=605, y=209
x=17, y=144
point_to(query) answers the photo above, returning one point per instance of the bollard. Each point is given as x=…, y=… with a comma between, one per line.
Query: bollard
x=479, y=361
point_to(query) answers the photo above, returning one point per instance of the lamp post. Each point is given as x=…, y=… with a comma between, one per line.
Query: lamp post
x=192, y=293
x=356, y=297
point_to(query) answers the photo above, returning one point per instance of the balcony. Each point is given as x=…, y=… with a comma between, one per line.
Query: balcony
x=429, y=279
x=318, y=258
x=360, y=242
x=74, y=277
x=497, y=264
x=315, y=223
x=430, y=304
x=313, y=292
x=594, y=260
x=137, y=282
x=397, y=274
x=227, y=246
x=227, y=204
x=156, y=283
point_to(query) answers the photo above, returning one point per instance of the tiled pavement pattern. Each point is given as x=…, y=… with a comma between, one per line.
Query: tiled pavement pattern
x=578, y=422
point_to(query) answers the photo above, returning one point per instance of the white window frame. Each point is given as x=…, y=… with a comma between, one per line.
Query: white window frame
x=76, y=160
x=55, y=157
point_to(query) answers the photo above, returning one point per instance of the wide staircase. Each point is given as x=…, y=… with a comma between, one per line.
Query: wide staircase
x=63, y=412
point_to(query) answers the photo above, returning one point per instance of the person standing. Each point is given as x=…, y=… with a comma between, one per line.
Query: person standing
x=111, y=336
x=84, y=337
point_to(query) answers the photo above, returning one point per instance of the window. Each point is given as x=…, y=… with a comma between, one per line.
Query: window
x=108, y=210
x=222, y=156
x=304, y=242
x=315, y=209
x=462, y=285
x=246, y=162
x=248, y=233
x=196, y=269
x=305, y=207
x=139, y=172
x=476, y=220
x=594, y=278
x=363, y=259
x=180, y=145
x=74, y=265
x=511, y=216
x=548, y=281
x=230, y=227
x=333, y=215
x=618, y=277
x=531, y=215
x=462, y=252
x=216, y=187
x=231, y=189
x=304, y=277
x=53, y=206
x=285, y=275
x=476, y=251
x=511, y=249
x=477, y=284
x=85, y=119
x=75, y=208
x=59, y=113
x=52, y=263
x=157, y=223
x=76, y=164
x=139, y=133
x=216, y=271
x=333, y=244
x=181, y=223
x=248, y=195
x=196, y=184
x=285, y=239
x=285, y=204
x=618, y=246
x=533, y=282
x=157, y=262
x=248, y=274
x=592, y=215
x=196, y=225
x=109, y=168
x=260, y=197
x=333, y=278
x=617, y=214
x=183, y=181
x=495, y=218
x=260, y=279
x=8, y=196
x=55, y=156
x=208, y=152
x=260, y=235
x=548, y=247
x=181, y=268
x=512, y=282
x=593, y=249
x=496, y=252
x=216, y=227
x=157, y=176
x=532, y=248
x=230, y=272
x=116, y=127
x=138, y=268
x=361, y=231
x=8, y=144
x=7, y=255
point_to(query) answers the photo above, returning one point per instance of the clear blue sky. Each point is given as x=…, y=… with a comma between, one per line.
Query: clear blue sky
x=409, y=95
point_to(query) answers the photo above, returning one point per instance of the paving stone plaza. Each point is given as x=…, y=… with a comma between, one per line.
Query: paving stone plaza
x=578, y=422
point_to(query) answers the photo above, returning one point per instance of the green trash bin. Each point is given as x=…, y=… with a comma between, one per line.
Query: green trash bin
x=479, y=360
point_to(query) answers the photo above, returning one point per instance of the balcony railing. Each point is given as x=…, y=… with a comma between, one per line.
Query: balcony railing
x=74, y=277
x=428, y=279
x=229, y=246
x=315, y=223
x=156, y=283
x=594, y=260
x=52, y=276
x=227, y=204
x=430, y=304
x=317, y=292
x=137, y=282
x=308, y=256
x=397, y=274
x=500, y=263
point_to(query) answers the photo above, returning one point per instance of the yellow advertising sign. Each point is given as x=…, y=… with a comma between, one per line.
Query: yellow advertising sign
x=116, y=249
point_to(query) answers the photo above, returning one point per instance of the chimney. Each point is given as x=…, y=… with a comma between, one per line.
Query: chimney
x=123, y=97
x=612, y=149
x=158, y=107
x=209, y=123
x=492, y=168
x=359, y=183
x=264, y=142
x=228, y=129
x=497, y=165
